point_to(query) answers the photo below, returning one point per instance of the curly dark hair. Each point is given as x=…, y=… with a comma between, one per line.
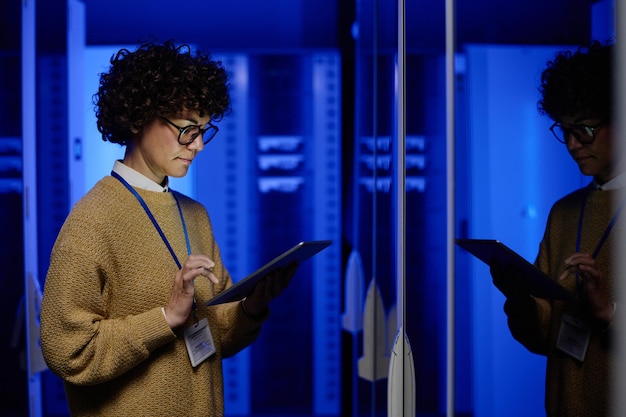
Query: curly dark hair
x=579, y=82
x=154, y=80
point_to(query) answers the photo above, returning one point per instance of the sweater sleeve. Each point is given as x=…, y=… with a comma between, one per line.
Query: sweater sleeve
x=529, y=324
x=237, y=329
x=79, y=342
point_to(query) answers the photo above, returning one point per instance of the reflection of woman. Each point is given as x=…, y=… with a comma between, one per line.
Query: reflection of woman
x=123, y=319
x=577, y=249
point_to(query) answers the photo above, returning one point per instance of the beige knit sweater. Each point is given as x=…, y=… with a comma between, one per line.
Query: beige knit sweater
x=574, y=388
x=102, y=327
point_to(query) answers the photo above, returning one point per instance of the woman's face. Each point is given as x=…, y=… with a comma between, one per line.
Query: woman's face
x=599, y=158
x=157, y=154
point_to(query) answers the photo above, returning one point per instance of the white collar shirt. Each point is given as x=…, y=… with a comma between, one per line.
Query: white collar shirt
x=136, y=179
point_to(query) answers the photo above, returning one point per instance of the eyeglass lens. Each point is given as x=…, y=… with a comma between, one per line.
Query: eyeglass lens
x=189, y=134
x=584, y=134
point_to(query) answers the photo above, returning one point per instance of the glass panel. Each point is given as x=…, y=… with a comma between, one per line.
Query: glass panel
x=375, y=207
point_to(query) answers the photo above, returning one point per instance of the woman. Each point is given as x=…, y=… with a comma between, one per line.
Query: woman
x=123, y=319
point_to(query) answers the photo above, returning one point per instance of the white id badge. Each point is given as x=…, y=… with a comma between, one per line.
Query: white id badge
x=199, y=342
x=573, y=337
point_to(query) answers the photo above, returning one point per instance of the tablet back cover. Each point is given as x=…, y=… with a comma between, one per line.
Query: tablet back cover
x=541, y=285
x=298, y=253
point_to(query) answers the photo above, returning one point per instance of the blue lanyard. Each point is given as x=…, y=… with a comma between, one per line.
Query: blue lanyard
x=154, y=222
x=605, y=235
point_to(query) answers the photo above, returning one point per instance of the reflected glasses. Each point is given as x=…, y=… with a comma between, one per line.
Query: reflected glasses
x=188, y=134
x=583, y=133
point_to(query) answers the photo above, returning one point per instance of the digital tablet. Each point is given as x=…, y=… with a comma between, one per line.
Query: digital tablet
x=298, y=254
x=541, y=285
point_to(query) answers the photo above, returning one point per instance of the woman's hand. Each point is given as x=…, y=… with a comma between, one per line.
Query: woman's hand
x=270, y=287
x=594, y=286
x=181, y=298
x=510, y=281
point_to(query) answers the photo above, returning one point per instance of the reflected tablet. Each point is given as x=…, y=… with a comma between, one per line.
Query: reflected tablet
x=298, y=254
x=541, y=285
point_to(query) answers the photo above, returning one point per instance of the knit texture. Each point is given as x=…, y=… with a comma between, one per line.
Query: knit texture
x=574, y=388
x=102, y=327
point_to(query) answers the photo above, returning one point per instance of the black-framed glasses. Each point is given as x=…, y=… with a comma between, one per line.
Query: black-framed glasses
x=583, y=133
x=188, y=134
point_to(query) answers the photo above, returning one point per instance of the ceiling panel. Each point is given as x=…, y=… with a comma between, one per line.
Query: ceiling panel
x=252, y=24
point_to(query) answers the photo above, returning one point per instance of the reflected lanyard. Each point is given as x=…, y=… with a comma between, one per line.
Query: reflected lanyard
x=605, y=235
x=154, y=222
